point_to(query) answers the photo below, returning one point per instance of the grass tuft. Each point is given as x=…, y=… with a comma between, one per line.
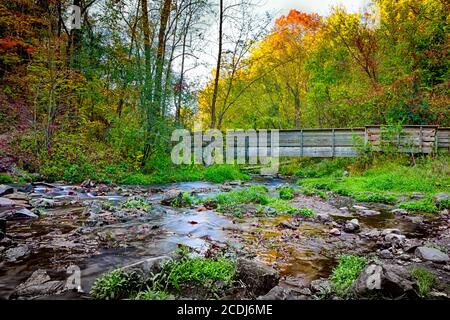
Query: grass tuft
x=347, y=271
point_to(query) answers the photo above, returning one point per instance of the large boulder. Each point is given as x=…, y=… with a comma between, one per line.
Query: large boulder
x=19, y=214
x=38, y=284
x=431, y=254
x=258, y=278
x=386, y=280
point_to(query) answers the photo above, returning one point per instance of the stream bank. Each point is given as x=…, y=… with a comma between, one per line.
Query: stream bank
x=52, y=229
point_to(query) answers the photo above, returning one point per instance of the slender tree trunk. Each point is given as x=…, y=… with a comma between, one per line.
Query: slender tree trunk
x=218, y=66
x=165, y=13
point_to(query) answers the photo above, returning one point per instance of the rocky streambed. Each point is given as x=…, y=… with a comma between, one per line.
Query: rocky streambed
x=57, y=239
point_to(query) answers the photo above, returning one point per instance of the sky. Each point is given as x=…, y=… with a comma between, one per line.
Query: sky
x=276, y=8
x=322, y=7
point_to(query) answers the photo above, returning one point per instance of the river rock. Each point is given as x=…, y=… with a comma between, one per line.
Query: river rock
x=286, y=225
x=335, y=232
x=320, y=286
x=352, y=226
x=359, y=208
x=322, y=217
x=368, y=212
x=387, y=280
x=38, y=284
x=386, y=254
x=395, y=239
x=258, y=278
x=5, y=202
x=4, y=190
x=151, y=265
x=431, y=254
x=438, y=198
x=2, y=228
x=278, y=293
x=21, y=214
x=385, y=232
x=16, y=253
x=399, y=212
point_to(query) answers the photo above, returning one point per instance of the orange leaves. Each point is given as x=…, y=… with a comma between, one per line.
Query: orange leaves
x=9, y=44
x=297, y=21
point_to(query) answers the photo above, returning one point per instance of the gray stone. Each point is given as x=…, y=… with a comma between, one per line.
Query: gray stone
x=320, y=286
x=5, y=202
x=38, y=284
x=322, y=217
x=357, y=207
x=258, y=278
x=286, y=225
x=277, y=293
x=440, y=198
x=16, y=253
x=335, y=232
x=151, y=265
x=352, y=226
x=399, y=212
x=369, y=213
x=23, y=214
x=389, y=231
x=386, y=254
x=387, y=280
x=431, y=254
x=394, y=238
x=4, y=190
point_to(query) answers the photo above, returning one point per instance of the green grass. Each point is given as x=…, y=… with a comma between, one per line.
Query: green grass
x=253, y=194
x=425, y=205
x=286, y=193
x=152, y=295
x=4, y=178
x=222, y=173
x=257, y=195
x=114, y=285
x=374, y=197
x=347, y=271
x=185, y=200
x=425, y=281
x=316, y=168
x=201, y=271
x=381, y=182
x=308, y=191
x=137, y=203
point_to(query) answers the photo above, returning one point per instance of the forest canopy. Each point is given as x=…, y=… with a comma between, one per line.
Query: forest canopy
x=109, y=94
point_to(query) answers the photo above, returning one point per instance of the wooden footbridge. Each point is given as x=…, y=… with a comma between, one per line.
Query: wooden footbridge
x=345, y=142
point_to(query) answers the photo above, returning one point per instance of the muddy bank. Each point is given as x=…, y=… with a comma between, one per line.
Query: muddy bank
x=51, y=230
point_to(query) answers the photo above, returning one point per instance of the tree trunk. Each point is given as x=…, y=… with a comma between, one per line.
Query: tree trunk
x=165, y=13
x=219, y=62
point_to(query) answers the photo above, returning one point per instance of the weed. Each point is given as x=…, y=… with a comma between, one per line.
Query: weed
x=347, y=271
x=115, y=285
x=137, y=203
x=4, y=178
x=150, y=294
x=425, y=281
x=425, y=205
x=286, y=193
x=200, y=270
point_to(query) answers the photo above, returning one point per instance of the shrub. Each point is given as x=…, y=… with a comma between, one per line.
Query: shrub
x=347, y=271
x=286, y=193
x=200, y=270
x=222, y=173
x=425, y=281
x=424, y=205
x=115, y=285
